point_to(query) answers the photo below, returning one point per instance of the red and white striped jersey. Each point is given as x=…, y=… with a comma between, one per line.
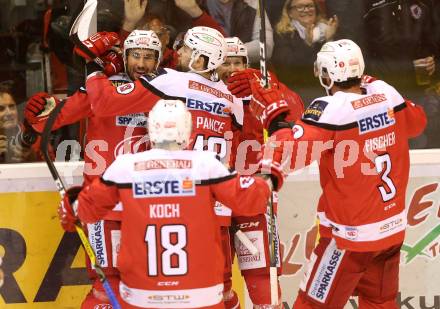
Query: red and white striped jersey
x=170, y=235
x=361, y=142
x=215, y=111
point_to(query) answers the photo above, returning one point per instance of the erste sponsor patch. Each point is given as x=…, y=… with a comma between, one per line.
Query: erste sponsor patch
x=164, y=185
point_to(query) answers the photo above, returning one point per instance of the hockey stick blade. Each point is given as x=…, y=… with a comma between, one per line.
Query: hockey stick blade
x=83, y=27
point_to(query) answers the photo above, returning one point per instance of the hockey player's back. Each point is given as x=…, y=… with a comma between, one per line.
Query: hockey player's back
x=170, y=254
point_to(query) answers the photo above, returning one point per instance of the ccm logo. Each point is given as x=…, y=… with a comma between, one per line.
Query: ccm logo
x=248, y=225
x=168, y=283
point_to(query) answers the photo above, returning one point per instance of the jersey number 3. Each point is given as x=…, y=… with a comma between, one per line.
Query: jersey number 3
x=173, y=257
x=383, y=165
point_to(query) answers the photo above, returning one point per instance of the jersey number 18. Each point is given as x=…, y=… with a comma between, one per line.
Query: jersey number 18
x=174, y=258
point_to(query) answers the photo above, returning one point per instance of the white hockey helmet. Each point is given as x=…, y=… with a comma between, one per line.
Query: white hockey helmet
x=339, y=61
x=170, y=122
x=145, y=39
x=236, y=48
x=207, y=42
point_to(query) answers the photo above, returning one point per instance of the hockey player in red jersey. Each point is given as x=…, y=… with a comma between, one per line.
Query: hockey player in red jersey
x=255, y=272
x=362, y=132
x=170, y=254
x=217, y=115
x=106, y=138
x=236, y=74
x=215, y=111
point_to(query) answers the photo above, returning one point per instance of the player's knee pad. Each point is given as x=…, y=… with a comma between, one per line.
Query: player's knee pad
x=230, y=300
x=258, y=287
x=256, y=229
x=105, y=238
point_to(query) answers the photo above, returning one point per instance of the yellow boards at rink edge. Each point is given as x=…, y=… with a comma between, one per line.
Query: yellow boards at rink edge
x=43, y=266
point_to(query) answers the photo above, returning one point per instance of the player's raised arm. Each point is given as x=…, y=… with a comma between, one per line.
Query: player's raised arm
x=125, y=99
x=106, y=100
x=39, y=106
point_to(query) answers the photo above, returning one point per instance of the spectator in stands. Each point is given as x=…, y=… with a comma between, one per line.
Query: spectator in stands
x=400, y=45
x=299, y=35
x=15, y=140
x=240, y=18
x=139, y=12
x=349, y=14
x=137, y=16
x=169, y=56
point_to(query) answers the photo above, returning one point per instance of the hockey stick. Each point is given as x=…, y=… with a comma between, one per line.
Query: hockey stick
x=270, y=211
x=83, y=27
x=263, y=48
x=62, y=191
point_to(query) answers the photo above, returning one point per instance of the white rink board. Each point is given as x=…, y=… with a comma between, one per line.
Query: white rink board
x=298, y=199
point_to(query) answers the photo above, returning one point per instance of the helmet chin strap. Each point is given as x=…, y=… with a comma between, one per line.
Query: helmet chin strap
x=194, y=56
x=214, y=76
x=327, y=87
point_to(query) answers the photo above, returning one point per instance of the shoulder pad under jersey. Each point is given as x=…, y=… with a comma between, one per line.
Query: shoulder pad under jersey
x=119, y=79
x=152, y=75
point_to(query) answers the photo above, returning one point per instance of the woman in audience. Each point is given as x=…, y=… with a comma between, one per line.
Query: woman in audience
x=299, y=35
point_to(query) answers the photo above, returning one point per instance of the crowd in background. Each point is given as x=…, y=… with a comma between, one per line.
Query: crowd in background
x=400, y=40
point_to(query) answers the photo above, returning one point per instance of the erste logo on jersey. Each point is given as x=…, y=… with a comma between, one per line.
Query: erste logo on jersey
x=374, y=122
x=315, y=110
x=164, y=185
x=214, y=108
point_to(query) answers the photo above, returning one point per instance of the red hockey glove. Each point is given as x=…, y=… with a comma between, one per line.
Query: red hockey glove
x=39, y=106
x=67, y=209
x=273, y=154
x=97, y=45
x=296, y=104
x=267, y=104
x=113, y=63
x=239, y=82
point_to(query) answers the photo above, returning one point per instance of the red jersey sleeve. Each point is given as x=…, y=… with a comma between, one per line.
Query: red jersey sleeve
x=245, y=195
x=106, y=100
x=96, y=200
x=415, y=119
x=296, y=104
x=308, y=143
x=77, y=107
